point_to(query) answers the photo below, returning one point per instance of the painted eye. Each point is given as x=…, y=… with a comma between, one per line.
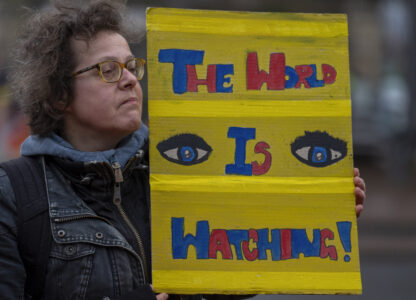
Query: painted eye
x=318, y=149
x=185, y=149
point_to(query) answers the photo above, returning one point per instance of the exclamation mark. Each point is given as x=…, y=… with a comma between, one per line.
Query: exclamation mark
x=344, y=230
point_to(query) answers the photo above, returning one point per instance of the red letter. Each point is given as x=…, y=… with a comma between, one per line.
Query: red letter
x=326, y=251
x=251, y=255
x=218, y=241
x=275, y=79
x=193, y=81
x=262, y=169
x=286, y=243
x=304, y=71
x=329, y=73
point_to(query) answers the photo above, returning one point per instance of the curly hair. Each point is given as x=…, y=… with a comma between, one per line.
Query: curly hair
x=41, y=79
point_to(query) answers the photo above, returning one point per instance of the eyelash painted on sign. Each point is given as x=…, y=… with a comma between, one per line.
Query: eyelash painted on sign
x=185, y=149
x=318, y=149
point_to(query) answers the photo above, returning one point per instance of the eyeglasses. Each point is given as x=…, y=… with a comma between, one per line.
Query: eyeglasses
x=111, y=70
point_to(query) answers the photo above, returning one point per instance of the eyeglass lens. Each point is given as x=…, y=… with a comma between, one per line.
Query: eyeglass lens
x=111, y=71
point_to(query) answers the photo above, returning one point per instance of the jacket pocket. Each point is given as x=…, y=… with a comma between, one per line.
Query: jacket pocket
x=69, y=270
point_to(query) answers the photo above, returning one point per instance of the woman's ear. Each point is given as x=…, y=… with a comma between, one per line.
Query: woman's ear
x=61, y=105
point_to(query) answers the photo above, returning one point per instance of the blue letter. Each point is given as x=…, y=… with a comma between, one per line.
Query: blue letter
x=293, y=78
x=236, y=237
x=180, y=244
x=180, y=58
x=223, y=70
x=301, y=243
x=241, y=135
x=263, y=244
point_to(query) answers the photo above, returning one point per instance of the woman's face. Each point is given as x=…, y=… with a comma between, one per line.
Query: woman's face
x=101, y=113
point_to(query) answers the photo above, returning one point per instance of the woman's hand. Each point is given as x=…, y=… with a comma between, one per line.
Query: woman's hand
x=359, y=192
x=161, y=296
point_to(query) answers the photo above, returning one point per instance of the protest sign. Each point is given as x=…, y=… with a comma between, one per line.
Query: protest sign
x=251, y=153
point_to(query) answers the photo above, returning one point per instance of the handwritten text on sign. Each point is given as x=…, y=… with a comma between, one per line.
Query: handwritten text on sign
x=251, y=153
x=184, y=78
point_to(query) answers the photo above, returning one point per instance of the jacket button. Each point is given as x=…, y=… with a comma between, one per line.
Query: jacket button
x=69, y=250
x=99, y=235
x=61, y=233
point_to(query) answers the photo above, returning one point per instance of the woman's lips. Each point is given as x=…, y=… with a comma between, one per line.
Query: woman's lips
x=131, y=100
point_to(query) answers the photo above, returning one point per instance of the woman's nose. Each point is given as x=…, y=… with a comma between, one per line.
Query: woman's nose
x=128, y=79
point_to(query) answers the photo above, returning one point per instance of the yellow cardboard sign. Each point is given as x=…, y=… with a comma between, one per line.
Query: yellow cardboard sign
x=251, y=153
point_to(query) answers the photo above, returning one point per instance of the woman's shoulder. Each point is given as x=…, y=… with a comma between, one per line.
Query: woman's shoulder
x=5, y=185
x=15, y=175
x=7, y=204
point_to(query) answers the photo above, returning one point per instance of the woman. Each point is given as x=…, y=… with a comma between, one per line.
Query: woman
x=78, y=83
x=77, y=80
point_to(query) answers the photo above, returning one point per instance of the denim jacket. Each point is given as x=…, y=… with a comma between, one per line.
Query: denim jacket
x=89, y=257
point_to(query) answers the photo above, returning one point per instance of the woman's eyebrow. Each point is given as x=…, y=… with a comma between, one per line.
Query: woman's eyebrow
x=115, y=58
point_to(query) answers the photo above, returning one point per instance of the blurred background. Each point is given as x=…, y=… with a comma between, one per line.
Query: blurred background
x=383, y=73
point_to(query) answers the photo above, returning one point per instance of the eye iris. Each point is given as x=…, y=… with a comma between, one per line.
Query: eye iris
x=319, y=155
x=187, y=153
